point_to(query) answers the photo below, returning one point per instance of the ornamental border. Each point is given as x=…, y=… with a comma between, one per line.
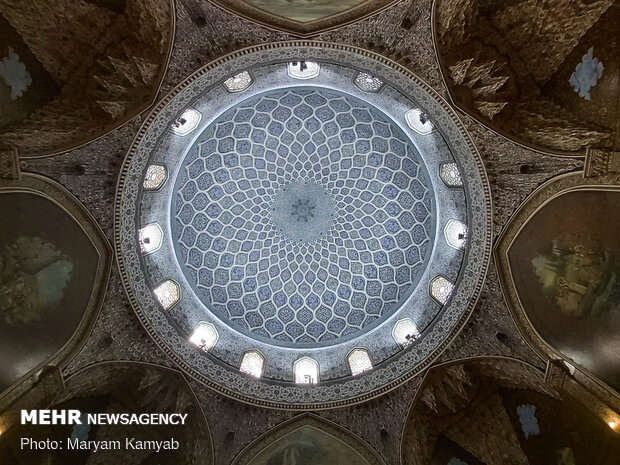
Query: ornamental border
x=396, y=371
x=276, y=22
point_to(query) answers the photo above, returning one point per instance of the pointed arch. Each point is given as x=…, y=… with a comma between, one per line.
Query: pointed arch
x=568, y=216
x=54, y=279
x=303, y=19
x=312, y=440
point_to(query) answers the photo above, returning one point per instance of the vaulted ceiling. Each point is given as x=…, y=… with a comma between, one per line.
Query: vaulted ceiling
x=211, y=151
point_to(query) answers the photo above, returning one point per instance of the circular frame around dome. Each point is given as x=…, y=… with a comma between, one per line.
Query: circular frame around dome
x=266, y=67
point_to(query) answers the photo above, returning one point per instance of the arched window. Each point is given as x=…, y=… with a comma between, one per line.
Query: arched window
x=204, y=336
x=306, y=371
x=253, y=363
x=405, y=332
x=359, y=361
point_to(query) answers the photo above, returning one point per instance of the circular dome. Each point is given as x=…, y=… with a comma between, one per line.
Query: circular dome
x=296, y=232
x=303, y=216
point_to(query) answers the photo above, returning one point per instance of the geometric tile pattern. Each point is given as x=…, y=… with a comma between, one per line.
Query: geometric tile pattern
x=441, y=289
x=155, y=177
x=238, y=82
x=359, y=361
x=368, y=83
x=450, y=175
x=167, y=293
x=356, y=270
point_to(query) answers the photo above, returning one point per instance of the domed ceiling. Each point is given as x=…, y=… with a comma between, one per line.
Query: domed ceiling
x=303, y=222
x=319, y=194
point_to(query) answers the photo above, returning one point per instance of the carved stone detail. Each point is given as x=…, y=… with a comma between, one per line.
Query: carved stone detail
x=9, y=163
x=601, y=162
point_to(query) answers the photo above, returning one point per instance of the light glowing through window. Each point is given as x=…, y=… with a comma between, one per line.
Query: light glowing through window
x=405, y=332
x=419, y=122
x=187, y=122
x=456, y=234
x=450, y=175
x=303, y=69
x=306, y=371
x=441, y=289
x=167, y=293
x=155, y=177
x=204, y=336
x=359, y=361
x=239, y=82
x=253, y=364
x=368, y=83
x=150, y=237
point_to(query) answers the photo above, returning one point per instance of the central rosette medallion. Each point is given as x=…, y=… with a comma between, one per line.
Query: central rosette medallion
x=303, y=211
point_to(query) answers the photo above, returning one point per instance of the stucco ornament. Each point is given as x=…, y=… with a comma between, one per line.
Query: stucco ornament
x=303, y=218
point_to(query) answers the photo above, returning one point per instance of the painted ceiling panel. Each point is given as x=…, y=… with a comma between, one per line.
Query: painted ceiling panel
x=304, y=17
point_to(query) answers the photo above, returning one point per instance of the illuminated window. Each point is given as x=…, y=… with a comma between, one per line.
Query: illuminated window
x=167, y=293
x=456, y=234
x=155, y=177
x=306, y=371
x=238, y=82
x=150, y=237
x=204, y=336
x=253, y=363
x=187, y=122
x=368, y=83
x=405, y=332
x=359, y=361
x=303, y=69
x=441, y=289
x=450, y=175
x=419, y=122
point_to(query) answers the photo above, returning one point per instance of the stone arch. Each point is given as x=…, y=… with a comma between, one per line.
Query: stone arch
x=304, y=19
x=55, y=268
x=567, y=308
x=311, y=440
